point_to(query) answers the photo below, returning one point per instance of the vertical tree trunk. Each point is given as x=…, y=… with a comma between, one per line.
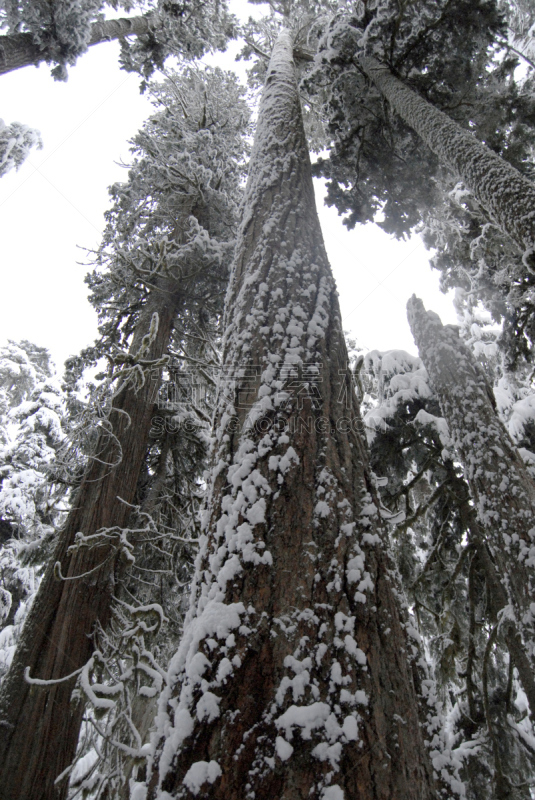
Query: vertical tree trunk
x=502, y=490
x=19, y=49
x=506, y=195
x=39, y=726
x=293, y=679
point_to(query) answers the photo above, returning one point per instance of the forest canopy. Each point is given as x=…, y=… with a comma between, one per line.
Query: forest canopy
x=240, y=557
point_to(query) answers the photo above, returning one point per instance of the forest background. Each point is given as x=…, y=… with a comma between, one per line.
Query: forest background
x=446, y=490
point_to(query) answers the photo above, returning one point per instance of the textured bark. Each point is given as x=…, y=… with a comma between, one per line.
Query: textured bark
x=19, y=49
x=505, y=194
x=294, y=676
x=498, y=601
x=501, y=488
x=39, y=726
x=511, y=634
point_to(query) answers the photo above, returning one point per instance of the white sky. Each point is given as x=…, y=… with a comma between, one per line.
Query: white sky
x=54, y=205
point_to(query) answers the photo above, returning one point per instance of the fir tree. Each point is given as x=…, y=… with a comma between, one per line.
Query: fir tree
x=449, y=577
x=503, y=495
x=146, y=621
x=166, y=267
x=16, y=141
x=485, y=268
x=33, y=431
x=33, y=498
x=387, y=53
x=294, y=670
x=58, y=33
x=291, y=678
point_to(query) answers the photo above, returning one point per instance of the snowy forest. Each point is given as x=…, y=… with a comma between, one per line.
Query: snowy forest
x=240, y=557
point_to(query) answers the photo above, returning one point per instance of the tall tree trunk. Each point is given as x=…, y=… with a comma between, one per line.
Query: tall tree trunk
x=502, y=490
x=19, y=49
x=39, y=725
x=505, y=194
x=294, y=676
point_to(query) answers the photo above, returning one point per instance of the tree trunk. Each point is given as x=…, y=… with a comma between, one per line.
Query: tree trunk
x=504, y=193
x=294, y=676
x=39, y=726
x=502, y=490
x=498, y=601
x=19, y=49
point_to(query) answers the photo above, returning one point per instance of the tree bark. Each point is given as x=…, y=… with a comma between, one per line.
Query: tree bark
x=39, y=726
x=294, y=676
x=511, y=634
x=501, y=488
x=499, y=601
x=19, y=49
x=503, y=192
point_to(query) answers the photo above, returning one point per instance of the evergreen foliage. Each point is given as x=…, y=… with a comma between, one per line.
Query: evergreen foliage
x=484, y=267
x=62, y=30
x=173, y=223
x=177, y=213
x=520, y=33
x=439, y=555
x=16, y=141
x=174, y=218
x=33, y=498
x=444, y=51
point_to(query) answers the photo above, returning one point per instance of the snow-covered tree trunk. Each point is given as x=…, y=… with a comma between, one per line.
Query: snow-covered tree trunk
x=294, y=676
x=19, y=49
x=39, y=725
x=521, y=653
x=502, y=490
x=506, y=195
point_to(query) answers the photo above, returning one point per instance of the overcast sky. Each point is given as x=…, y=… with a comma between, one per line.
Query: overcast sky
x=52, y=208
